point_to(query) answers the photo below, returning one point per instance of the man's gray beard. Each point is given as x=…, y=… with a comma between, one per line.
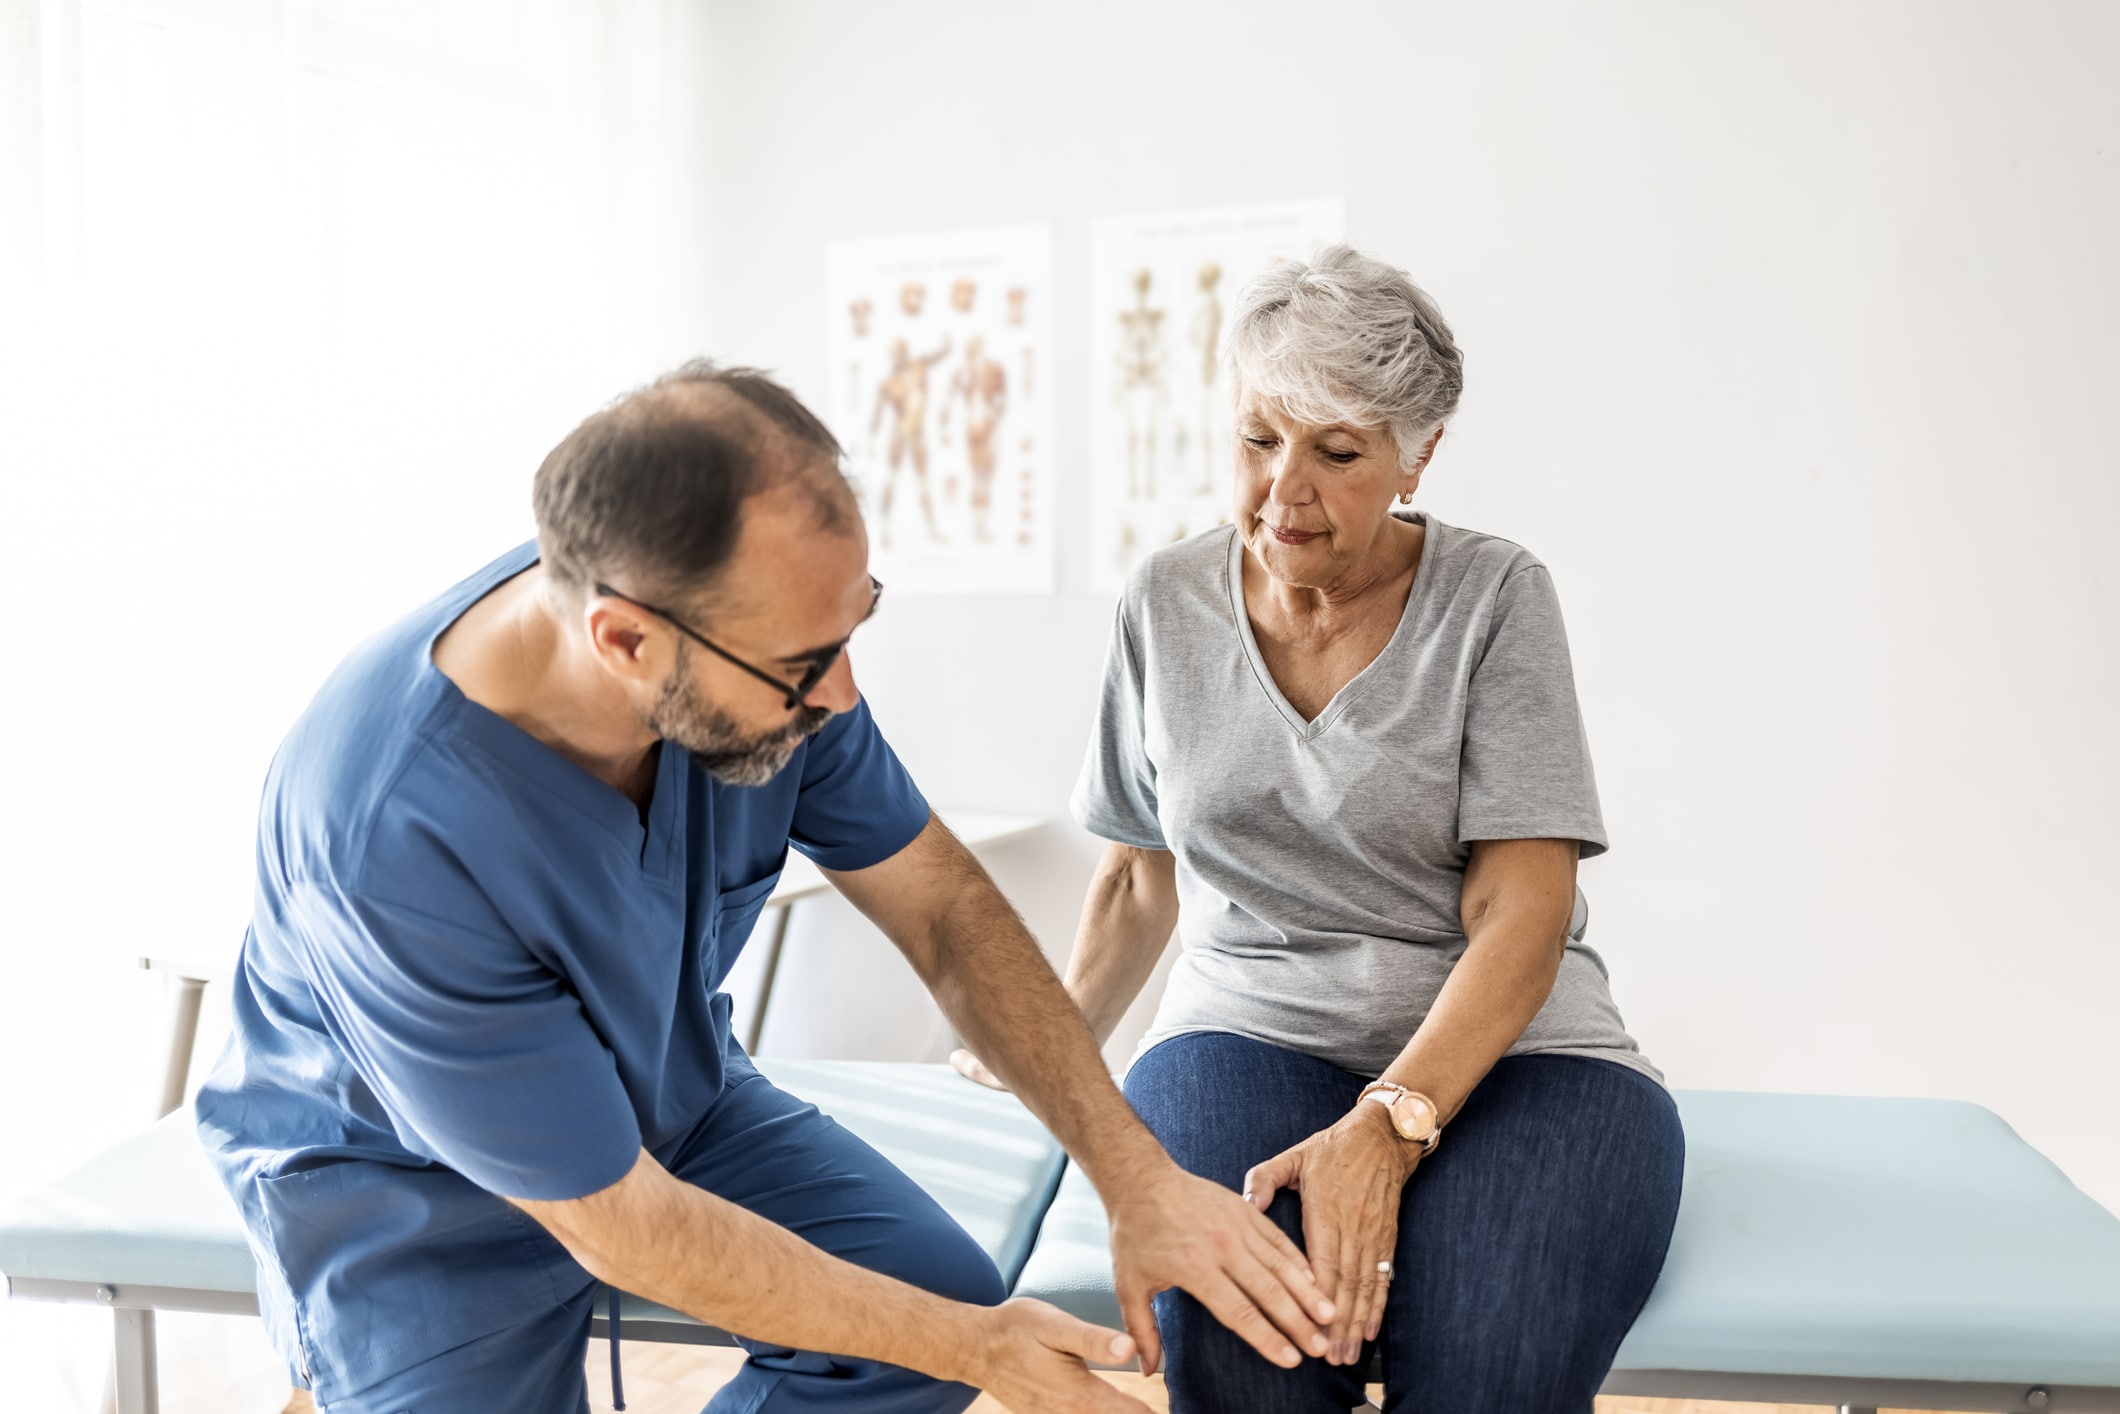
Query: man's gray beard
x=712, y=738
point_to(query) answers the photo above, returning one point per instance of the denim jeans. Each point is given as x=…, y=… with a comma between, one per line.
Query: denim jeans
x=1527, y=1244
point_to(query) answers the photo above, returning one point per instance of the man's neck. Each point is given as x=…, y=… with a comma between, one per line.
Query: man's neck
x=510, y=653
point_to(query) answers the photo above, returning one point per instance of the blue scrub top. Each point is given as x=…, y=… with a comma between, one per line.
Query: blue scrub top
x=473, y=971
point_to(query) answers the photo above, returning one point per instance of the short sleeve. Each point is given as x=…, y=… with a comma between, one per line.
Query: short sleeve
x=482, y=1057
x=1525, y=769
x=857, y=805
x=1116, y=794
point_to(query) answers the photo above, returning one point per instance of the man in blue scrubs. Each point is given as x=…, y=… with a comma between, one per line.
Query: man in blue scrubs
x=482, y=1057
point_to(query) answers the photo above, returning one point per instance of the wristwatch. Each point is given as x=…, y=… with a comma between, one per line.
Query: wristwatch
x=1413, y=1114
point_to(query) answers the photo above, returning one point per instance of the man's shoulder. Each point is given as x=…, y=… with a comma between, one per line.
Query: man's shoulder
x=370, y=726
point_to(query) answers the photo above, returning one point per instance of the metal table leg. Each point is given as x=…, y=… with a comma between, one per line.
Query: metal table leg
x=134, y=1386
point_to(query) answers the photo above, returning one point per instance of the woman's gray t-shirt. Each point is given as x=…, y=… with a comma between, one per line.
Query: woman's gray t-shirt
x=1320, y=863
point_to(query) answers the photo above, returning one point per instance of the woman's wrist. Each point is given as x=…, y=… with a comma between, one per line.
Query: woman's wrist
x=1374, y=1120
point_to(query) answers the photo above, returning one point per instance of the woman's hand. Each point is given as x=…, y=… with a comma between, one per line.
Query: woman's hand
x=972, y=1068
x=1351, y=1177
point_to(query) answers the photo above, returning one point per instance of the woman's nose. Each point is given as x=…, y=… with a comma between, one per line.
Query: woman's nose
x=1285, y=486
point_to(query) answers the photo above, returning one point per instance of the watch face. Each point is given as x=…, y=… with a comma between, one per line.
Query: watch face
x=1412, y=1118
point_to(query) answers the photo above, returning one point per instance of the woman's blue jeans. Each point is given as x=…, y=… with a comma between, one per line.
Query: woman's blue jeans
x=1527, y=1242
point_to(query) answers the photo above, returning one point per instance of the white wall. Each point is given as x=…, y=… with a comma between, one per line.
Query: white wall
x=1792, y=334
x=293, y=299
x=1792, y=331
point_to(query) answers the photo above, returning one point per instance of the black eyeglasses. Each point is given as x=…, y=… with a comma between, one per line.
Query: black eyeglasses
x=820, y=662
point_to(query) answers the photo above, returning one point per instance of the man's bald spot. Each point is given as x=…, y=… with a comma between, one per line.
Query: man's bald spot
x=797, y=469
x=651, y=493
x=791, y=459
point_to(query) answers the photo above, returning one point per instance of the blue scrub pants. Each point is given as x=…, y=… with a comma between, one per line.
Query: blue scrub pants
x=777, y=1156
x=1527, y=1245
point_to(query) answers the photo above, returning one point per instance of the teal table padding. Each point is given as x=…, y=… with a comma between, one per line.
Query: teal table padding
x=977, y=1152
x=1821, y=1235
x=1892, y=1239
x=150, y=1212
x=147, y=1212
x=1071, y=1266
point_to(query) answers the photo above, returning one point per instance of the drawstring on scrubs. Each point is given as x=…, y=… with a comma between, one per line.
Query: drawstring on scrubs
x=618, y=1384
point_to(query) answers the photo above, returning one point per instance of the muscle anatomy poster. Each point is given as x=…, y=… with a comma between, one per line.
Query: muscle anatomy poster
x=941, y=359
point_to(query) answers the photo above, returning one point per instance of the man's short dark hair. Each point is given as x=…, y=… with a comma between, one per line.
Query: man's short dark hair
x=652, y=488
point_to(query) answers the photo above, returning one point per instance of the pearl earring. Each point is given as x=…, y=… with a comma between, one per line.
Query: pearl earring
x=1405, y=498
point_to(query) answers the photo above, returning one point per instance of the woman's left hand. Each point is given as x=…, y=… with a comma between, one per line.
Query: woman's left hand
x=1350, y=1176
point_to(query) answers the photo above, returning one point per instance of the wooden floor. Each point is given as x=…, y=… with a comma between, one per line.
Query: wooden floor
x=222, y=1365
x=677, y=1379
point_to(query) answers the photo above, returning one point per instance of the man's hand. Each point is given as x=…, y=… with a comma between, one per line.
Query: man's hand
x=1351, y=1177
x=656, y=1235
x=1184, y=1231
x=1198, y=1236
x=1032, y=1360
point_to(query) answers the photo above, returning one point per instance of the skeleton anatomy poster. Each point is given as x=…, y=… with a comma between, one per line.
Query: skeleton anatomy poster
x=1161, y=288
x=941, y=367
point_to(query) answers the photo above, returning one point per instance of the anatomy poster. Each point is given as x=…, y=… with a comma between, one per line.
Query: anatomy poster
x=1161, y=288
x=942, y=369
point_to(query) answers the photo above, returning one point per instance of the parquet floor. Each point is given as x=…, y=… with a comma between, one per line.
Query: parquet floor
x=676, y=1379
x=221, y=1365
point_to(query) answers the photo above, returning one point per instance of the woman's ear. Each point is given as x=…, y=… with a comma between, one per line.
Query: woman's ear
x=1412, y=480
x=1426, y=452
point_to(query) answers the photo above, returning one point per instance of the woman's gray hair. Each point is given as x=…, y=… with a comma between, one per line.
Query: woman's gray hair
x=1347, y=338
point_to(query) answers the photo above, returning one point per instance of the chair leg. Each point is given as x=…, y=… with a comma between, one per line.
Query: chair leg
x=136, y=1386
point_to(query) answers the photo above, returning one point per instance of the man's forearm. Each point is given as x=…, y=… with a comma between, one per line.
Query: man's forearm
x=984, y=969
x=661, y=1238
x=1001, y=994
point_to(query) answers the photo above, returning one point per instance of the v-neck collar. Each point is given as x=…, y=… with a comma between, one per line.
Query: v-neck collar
x=1313, y=729
x=652, y=842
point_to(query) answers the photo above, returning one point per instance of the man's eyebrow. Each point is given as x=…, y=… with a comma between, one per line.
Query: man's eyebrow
x=811, y=655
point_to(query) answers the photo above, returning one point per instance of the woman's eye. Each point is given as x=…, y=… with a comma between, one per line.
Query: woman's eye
x=1262, y=443
x=1343, y=458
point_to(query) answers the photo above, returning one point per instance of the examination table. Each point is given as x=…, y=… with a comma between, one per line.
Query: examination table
x=1842, y=1251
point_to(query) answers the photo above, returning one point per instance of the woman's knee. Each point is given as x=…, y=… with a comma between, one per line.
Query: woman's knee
x=1527, y=1249
x=1208, y=1368
x=1220, y=1103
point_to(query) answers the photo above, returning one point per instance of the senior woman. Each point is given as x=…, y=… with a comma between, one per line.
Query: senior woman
x=1339, y=748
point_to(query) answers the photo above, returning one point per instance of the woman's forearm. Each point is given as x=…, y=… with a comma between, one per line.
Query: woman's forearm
x=1496, y=988
x=1127, y=917
x=1519, y=895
